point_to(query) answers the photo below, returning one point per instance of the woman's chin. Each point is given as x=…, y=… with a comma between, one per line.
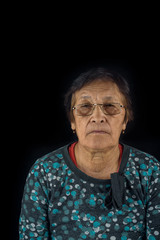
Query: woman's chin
x=99, y=144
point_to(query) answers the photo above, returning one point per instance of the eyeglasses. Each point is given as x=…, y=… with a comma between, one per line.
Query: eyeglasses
x=87, y=109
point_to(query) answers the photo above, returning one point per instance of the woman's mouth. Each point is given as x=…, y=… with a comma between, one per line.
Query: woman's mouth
x=98, y=132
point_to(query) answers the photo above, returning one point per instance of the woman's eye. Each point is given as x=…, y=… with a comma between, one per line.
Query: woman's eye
x=108, y=105
x=86, y=105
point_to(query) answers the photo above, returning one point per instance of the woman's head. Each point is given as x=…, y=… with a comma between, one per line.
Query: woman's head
x=98, y=125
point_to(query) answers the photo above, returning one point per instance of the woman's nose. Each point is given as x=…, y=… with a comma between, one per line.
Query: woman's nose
x=98, y=115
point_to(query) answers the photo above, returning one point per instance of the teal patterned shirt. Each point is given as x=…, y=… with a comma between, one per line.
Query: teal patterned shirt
x=61, y=202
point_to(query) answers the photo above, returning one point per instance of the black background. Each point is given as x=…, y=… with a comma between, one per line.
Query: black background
x=43, y=56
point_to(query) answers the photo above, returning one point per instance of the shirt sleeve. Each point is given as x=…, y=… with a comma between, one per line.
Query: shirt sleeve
x=153, y=203
x=33, y=223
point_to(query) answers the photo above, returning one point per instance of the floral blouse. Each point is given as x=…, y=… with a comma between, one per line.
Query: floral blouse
x=61, y=202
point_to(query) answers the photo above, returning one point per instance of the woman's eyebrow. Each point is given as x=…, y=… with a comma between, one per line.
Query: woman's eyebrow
x=85, y=97
x=110, y=98
x=106, y=98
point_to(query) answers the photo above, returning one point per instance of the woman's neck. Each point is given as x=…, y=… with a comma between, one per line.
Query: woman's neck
x=97, y=164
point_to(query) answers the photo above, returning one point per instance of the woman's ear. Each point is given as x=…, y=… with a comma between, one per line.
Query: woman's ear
x=124, y=125
x=73, y=126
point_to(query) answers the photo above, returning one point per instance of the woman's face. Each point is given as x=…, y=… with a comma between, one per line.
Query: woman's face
x=99, y=131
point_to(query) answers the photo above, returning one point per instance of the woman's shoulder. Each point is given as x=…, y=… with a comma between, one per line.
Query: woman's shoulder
x=58, y=153
x=141, y=158
x=51, y=162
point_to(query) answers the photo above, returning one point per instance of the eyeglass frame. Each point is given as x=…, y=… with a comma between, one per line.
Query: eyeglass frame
x=101, y=107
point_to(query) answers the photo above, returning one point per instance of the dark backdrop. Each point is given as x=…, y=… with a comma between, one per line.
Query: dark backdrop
x=41, y=66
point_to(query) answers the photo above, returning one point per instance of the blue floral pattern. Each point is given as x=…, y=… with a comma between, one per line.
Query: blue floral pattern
x=60, y=202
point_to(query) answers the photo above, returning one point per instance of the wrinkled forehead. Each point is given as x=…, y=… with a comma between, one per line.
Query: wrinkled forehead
x=99, y=90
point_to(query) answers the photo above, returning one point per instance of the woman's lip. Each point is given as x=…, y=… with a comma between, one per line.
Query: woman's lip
x=98, y=132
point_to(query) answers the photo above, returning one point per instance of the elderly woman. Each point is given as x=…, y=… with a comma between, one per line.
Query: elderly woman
x=97, y=187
